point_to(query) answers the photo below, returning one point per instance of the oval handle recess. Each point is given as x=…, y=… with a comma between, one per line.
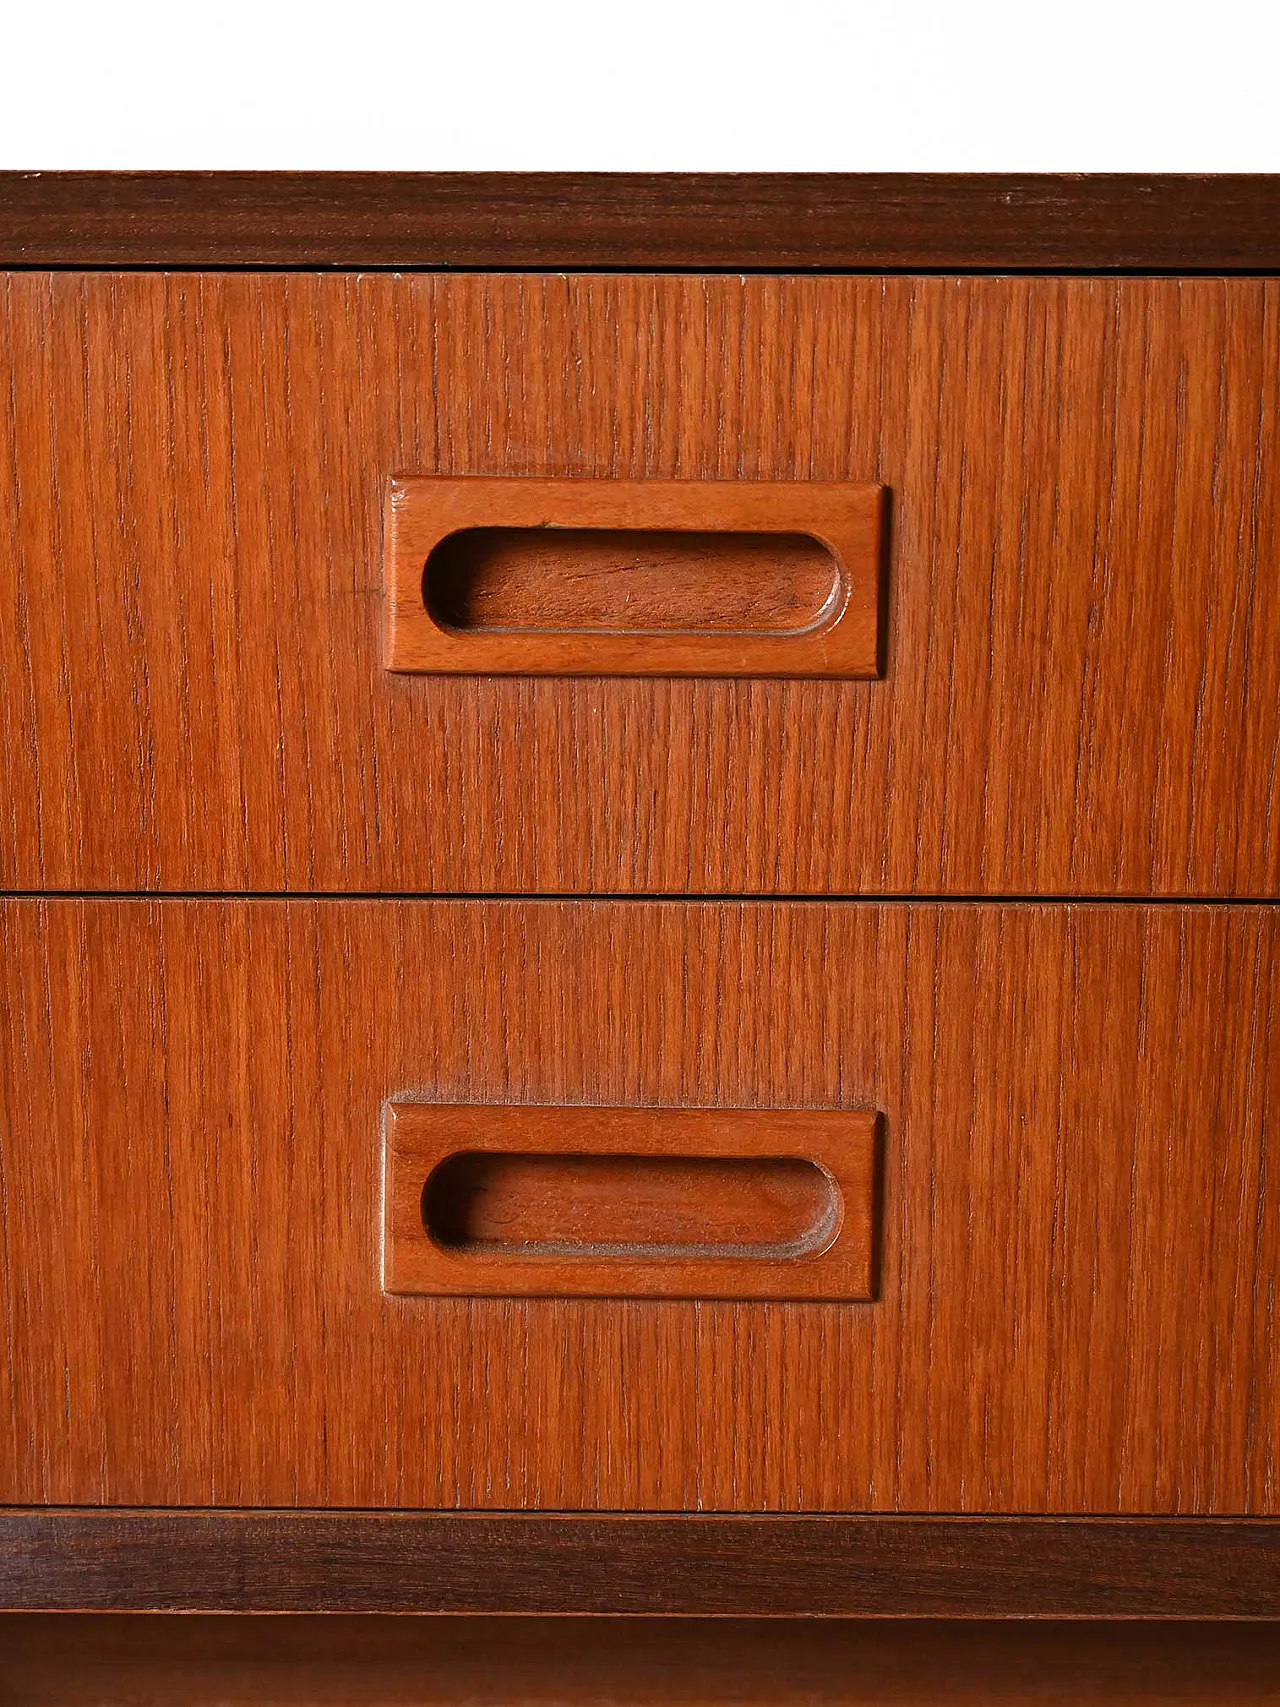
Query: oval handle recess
x=629, y=1202
x=649, y=577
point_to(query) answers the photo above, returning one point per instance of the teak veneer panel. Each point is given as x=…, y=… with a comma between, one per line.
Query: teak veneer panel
x=1080, y=1245
x=1081, y=685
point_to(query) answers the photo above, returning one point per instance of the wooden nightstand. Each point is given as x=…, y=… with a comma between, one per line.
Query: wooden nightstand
x=640, y=844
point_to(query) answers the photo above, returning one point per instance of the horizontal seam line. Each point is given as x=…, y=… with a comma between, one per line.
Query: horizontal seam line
x=718, y=269
x=683, y=897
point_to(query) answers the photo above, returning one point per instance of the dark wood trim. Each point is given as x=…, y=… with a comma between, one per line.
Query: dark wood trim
x=1037, y=1567
x=706, y=221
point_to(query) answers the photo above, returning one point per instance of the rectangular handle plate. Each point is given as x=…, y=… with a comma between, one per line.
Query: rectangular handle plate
x=629, y=1202
x=633, y=578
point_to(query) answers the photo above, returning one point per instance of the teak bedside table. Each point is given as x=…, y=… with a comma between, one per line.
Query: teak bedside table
x=640, y=838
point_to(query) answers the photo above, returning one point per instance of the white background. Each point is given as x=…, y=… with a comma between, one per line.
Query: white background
x=974, y=85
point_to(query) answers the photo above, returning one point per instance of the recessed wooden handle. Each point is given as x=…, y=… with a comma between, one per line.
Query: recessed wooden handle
x=646, y=1203
x=649, y=578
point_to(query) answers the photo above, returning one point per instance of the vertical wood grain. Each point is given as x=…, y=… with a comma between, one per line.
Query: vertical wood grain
x=1082, y=688
x=1081, y=1234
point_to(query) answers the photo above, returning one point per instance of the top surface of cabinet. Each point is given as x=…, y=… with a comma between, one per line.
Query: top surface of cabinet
x=701, y=221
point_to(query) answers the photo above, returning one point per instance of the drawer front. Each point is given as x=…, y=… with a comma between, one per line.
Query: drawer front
x=1078, y=1236
x=1079, y=632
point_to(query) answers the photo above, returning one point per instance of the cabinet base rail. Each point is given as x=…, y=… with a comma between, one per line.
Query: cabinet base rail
x=164, y=1560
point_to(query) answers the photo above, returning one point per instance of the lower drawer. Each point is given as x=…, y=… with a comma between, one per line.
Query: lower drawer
x=1077, y=1238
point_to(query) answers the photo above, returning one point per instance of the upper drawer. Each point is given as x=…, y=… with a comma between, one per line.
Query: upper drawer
x=1080, y=687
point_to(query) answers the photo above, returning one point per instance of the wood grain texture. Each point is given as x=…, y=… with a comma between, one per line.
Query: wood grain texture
x=559, y=1202
x=776, y=221
x=629, y=579
x=468, y=1563
x=1082, y=679
x=836, y=638
x=1081, y=1231
x=339, y=1661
